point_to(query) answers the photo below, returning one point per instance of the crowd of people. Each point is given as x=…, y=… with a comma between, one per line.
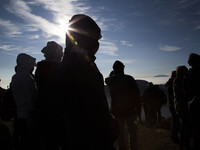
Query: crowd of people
x=184, y=101
x=64, y=105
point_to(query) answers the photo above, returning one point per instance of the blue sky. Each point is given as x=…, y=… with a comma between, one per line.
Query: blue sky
x=151, y=37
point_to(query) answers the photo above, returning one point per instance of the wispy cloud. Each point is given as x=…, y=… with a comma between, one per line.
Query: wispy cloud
x=137, y=14
x=8, y=47
x=33, y=36
x=161, y=75
x=126, y=43
x=198, y=12
x=11, y=29
x=187, y=3
x=169, y=48
x=55, y=28
x=125, y=61
x=108, y=48
x=7, y=53
x=61, y=10
x=197, y=27
x=165, y=22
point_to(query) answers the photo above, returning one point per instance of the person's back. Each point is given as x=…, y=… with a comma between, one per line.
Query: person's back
x=192, y=82
x=45, y=74
x=24, y=93
x=180, y=100
x=175, y=125
x=48, y=107
x=170, y=93
x=81, y=88
x=23, y=85
x=124, y=95
x=181, y=106
x=125, y=103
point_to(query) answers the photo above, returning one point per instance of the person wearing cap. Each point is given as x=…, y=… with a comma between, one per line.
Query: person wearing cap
x=51, y=124
x=24, y=93
x=125, y=103
x=81, y=88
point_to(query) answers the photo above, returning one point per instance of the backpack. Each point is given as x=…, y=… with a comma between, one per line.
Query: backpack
x=7, y=106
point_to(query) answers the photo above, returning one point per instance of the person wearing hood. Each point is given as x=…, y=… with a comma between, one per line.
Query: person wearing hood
x=81, y=88
x=24, y=93
x=52, y=126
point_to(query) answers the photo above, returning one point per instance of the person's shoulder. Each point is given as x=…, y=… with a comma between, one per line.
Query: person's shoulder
x=109, y=80
x=129, y=77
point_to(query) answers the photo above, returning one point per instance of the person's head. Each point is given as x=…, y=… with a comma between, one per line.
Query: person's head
x=150, y=84
x=25, y=62
x=173, y=74
x=181, y=71
x=83, y=32
x=118, y=67
x=52, y=51
x=194, y=60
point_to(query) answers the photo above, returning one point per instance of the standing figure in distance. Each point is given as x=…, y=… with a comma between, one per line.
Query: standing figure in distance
x=181, y=105
x=125, y=103
x=174, y=118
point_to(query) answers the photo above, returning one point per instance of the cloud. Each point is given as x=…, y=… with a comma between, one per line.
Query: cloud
x=61, y=10
x=161, y=75
x=12, y=29
x=7, y=47
x=10, y=48
x=7, y=53
x=126, y=43
x=197, y=27
x=125, y=61
x=137, y=14
x=108, y=48
x=33, y=36
x=165, y=22
x=169, y=48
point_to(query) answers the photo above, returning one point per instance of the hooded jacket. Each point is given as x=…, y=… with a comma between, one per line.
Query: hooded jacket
x=23, y=85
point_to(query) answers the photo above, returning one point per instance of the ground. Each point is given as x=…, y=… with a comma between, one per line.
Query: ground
x=155, y=138
x=149, y=138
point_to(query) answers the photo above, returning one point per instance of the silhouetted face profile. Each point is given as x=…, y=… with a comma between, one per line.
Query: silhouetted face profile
x=84, y=33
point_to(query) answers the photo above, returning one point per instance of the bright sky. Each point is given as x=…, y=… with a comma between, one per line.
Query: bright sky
x=151, y=37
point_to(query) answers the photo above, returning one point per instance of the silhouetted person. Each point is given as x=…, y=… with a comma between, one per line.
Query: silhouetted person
x=181, y=105
x=24, y=93
x=153, y=99
x=192, y=83
x=125, y=103
x=81, y=88
x=52, y=124
x=5, y=136
x=174, y=118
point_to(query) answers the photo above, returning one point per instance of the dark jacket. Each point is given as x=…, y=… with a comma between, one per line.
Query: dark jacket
x=125, y=95
x=44, y=76
x=81, y=89
x=170, y=95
